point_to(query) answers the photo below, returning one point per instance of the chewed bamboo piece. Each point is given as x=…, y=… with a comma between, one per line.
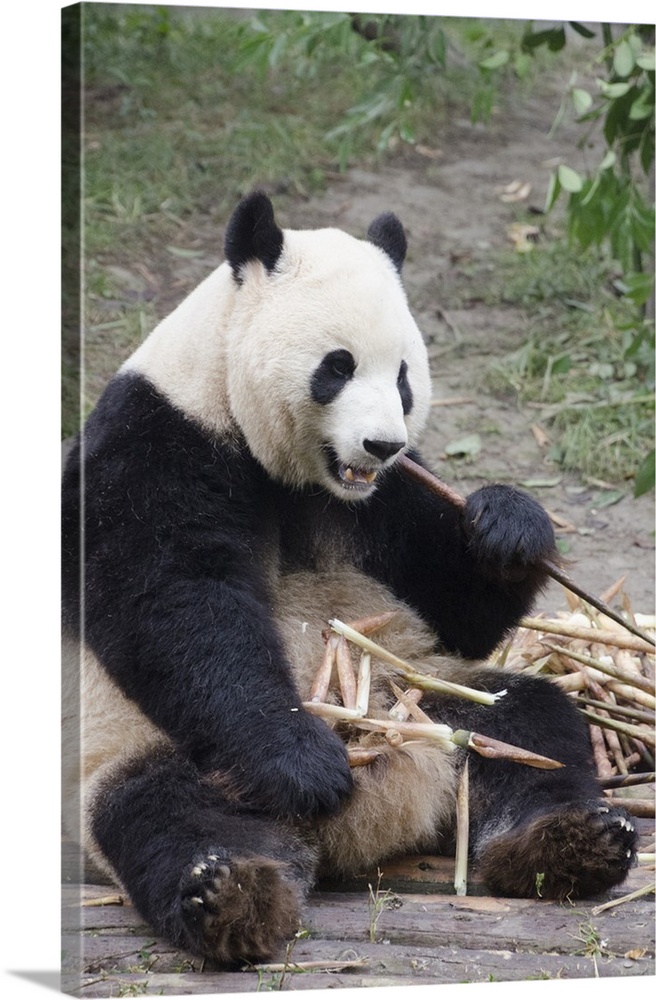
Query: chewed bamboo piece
x=417, y=679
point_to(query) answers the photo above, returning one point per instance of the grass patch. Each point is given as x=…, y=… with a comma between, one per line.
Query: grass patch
x=587, y=364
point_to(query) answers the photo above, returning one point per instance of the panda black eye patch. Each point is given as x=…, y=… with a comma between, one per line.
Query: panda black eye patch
x=331, y=375
x=405, y=392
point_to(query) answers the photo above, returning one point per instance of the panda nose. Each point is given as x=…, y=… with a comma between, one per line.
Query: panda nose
x=383, y=449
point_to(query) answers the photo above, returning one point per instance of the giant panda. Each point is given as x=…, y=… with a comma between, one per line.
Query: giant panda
x=236, y=487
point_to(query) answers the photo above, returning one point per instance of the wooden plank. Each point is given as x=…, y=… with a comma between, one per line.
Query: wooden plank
x=409, y=927
x=481, y=922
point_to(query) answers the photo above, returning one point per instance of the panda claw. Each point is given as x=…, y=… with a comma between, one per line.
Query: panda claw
x=238, y=908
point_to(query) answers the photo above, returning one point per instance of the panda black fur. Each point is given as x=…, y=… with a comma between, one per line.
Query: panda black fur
x=238, y=487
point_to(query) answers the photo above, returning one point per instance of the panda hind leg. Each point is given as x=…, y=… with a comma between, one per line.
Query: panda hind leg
x=537, y=832
x=226, y=885
x=574, y=851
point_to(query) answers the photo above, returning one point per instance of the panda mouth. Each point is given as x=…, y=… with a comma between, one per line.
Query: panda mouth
x=350, y=477
x=357, y=479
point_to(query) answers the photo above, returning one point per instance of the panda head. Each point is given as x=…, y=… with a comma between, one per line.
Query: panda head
x=327, y=373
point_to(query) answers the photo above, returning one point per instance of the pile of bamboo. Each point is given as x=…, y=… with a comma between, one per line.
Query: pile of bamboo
x=609, y=672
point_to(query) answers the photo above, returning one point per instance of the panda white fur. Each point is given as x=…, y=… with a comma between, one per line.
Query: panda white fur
x=236, y=487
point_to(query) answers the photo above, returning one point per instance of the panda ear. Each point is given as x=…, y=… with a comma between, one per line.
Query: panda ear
x=387, y=233
x=252, y=234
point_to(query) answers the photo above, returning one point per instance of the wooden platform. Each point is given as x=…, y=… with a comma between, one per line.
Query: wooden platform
x=408, y=928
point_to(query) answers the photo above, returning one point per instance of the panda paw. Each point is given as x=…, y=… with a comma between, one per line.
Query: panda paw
x=306, y=775
x=507, y=530
x=581, y=850
x=238, y=909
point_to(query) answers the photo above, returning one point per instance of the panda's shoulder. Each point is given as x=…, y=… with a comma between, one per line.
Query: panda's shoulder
x=136, y=436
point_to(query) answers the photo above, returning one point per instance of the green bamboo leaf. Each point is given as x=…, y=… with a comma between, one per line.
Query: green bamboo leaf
x=570, y=180
x=644, y=478
x=641, y=108
x=582, y=100
x=623, y=59
x=581, y=30
x=464, y=447
x=495, y=61
x=557, y=39
x=609, y=160
x=553, y=191
x=614, y=90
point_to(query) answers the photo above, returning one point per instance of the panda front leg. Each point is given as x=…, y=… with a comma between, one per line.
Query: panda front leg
x=538, y=832
x=224, y=884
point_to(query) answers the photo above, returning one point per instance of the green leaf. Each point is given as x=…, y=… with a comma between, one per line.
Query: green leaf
x=407, y=134
x=563, y=364
x=623, y=59
x=557, y=39
x=638, y=287
x=641, y=108
x=582, y=100
x=608, y=498
x=580, y=29
x=609, y=160
x=613, y=90
x=647, y=61
x=553, y=191
x=644, y=477
x=522, y=65
x=468, y=446
x=495, y=61
x=570, y=180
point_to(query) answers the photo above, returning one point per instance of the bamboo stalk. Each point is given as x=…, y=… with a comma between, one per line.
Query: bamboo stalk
x=441, y=489
x=446, y=737
x=364, y=684
x=462, y=832
x=642, y=808
x=621, y=727
x=604, y=636
x=617, y=743
x=321, y=683
x=362, y=756
x=623, y=710
x=319, y=964
x=633, y=680
x=374, y=623
x=626, y=780
x=346, y=675
x=419, y=680
x=636, y=894
x=602, y=763
x=633, y=694
x=401, y=710
x=114, y=900
x=486, y=746
x=409, y=704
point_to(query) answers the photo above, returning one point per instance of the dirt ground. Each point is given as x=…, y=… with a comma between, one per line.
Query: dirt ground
x=448, y=198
